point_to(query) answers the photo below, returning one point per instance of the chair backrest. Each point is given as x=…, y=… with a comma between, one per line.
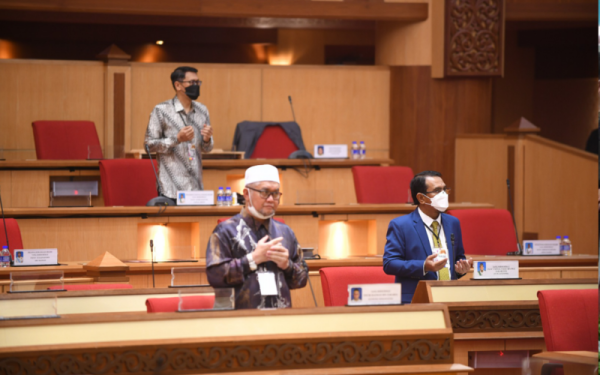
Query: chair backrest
x=569, y=319
x=91, y=287
x=382, y=184
x=14, y=236
x=171, y=304
x=273, y=143
x=127, y=182
x=486, y=231
x=66, y=140
x=335, y=281
x=219, y=221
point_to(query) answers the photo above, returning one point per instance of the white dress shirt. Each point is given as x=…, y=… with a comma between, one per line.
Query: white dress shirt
x=428, y=221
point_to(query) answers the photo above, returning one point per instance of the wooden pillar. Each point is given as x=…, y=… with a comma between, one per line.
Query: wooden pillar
x=440, y=85
x=117, y=111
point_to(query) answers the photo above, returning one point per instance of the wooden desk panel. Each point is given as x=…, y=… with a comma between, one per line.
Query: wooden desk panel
x=221, y=342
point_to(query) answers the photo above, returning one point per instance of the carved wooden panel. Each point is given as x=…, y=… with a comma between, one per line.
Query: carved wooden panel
x=225, y=358
x=475, y=320
x=474, y=38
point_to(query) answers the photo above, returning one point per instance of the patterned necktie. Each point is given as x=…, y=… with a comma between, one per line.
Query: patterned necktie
x=444, y=274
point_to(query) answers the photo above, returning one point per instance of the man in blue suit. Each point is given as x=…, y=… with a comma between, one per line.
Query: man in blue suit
x=425, y=244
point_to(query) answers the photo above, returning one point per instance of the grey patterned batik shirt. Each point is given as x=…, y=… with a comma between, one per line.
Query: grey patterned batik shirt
x=180, y=164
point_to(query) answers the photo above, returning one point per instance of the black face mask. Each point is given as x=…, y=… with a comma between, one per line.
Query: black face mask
x=193, y=91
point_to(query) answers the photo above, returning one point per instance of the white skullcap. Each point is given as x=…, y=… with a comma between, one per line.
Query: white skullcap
x=260, y=173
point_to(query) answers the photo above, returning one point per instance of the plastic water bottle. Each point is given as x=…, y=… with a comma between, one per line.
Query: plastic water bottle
x=560, y=244
x=228, y=200
x=5, y=257
x=355, y=151
x=363, y=150
x=567, y=247
x=220, y=196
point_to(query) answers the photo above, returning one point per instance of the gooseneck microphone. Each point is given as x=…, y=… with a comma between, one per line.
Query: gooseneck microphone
x=292, y=106
x=4, y=223
x=512, y=208
x=160, y=200
x=152, y=261
x=309, y=283
x=452, y=240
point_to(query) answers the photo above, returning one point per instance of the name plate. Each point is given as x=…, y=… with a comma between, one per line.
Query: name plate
x=331, y=152
x=508, y=269
x=374, y=294
x=541, y=247
x=196, y=198
x=36, y=257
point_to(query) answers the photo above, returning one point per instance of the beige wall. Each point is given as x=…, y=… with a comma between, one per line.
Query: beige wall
x=32, y=90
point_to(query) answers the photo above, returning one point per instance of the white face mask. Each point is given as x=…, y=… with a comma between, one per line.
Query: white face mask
x=254, y=212
x=439, y=202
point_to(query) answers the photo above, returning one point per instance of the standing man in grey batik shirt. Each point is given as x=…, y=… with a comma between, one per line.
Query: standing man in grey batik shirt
x=178, y=131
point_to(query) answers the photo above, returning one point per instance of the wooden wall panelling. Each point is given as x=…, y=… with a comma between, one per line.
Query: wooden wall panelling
x=47, y=90
x=481, y=170
x=427, y=114
x=332, y=104
x=117, y=110
x=303, y=298
x=232, y=93
x=30, y=188
x=559, y=185
x=554, y=10
x=306, y=229
x=82, y=239
x=6, y=188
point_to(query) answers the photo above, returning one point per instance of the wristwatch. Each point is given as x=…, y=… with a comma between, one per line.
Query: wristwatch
x=251, y=262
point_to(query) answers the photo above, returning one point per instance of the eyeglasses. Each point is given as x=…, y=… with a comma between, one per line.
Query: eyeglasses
x=264, y=194
x=439, y=190
x=193, y=83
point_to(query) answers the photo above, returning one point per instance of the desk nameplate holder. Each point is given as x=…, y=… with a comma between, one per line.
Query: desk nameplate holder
x=214, y=299
x=36, y=281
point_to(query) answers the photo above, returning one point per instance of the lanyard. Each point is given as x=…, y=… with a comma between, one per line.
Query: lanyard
x=437, y=237
x=192, y=147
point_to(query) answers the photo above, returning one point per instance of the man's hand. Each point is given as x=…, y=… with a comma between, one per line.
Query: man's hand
x=262, y=247
x=186, y=134
x=280, y=255
x=463, y=266
x=206, y=132
x=433, y=266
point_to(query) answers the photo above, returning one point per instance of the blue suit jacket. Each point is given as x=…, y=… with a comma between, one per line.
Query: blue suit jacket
x=407, y=247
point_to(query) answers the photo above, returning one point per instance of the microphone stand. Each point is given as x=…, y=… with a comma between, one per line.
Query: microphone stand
x=5, y=230
x=152, y=261
x=309, y=283
x=512, y=207
x=292, y=106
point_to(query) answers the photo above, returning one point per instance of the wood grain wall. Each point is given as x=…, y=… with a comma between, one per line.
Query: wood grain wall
x=47, y=90
x=426, y=115
x=332, y=104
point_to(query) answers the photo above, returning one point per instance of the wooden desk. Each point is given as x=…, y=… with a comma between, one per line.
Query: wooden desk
x=490, y=315
x=91, y=301
x=28, y=181
x=574, y=363
x=391, y=340
x=82, y=234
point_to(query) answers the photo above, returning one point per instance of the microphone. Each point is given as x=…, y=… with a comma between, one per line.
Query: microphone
x=512, y=208
x=152, y=261
x=4, y=223
x=452, y=239
x=160, y=200
x=292, y=107
x=309, y=283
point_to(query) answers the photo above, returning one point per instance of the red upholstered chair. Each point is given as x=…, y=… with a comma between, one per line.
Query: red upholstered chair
x=171, y=304
x=335, y=281
x=273, y=143
x=66, y=140
x=127, y=182
x=569, y=319
x=486, y=231
x=382, y=184
x=14, y=236
x=91, y=287
x=219, y=221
